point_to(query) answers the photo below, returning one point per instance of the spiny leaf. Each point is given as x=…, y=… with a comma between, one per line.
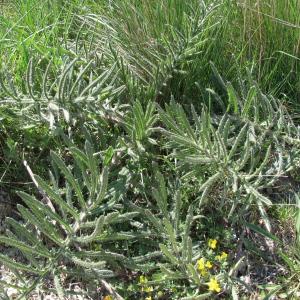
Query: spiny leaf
x=168, y=255
x=29, y=200
x=103, y=186
x=24, y=247
x=68, y=175
x=97, y=231
x=65, y=207
x=18, y=266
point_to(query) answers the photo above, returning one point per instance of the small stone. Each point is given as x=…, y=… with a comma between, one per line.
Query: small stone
x=12, y=292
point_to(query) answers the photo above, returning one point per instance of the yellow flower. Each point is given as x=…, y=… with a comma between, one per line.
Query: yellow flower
x=214, y=286
x=212, y=243
x=200, y=264
x=108, y=297
x=148, y=298
x=143, y=279
x=208, y=265
x=223, y=256
x=147, y=289
x=203, y=272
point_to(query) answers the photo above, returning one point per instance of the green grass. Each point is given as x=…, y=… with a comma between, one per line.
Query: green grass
x=156, y=126
x=236, y=36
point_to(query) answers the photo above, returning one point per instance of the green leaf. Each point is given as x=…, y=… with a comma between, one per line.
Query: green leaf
x=258, y=195
x=168, y=255
x=97, y=231
x=298, y=218
x=210, y=181
x=108, y=156
x=29, y=200
x=65, y=207
x=218, y=76
x=249, y=101
x=58, y=287
x=18, y=266
x=261, y=231
x=238, y=140
x=92, y=166
x=41, y=224
x=68, y=175
x=171, y=235
x=87, y=264
x=24, y=247
x=232, y=99
x=155, y=221
x=193, y=274
x=160, y=194
x=25, y=234
x=103, y=187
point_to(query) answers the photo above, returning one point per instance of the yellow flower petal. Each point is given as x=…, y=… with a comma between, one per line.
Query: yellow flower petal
x=143, y=279
x=208, y=265
x=200, y=264
x=108, y=297
x=203, y=272
x=212, y=243
x=221, y=257
x=147, y=289
x=213, y=285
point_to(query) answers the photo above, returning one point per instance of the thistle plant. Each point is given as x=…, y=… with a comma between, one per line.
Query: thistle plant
x=56, y=235
x=142, y=182
x=70, y=95
x=241, y=152
x=182, y=258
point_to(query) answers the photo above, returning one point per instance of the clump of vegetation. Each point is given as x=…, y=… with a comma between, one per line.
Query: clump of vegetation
x=151, y=149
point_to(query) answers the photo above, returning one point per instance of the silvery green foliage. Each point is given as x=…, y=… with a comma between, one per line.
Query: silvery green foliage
x=243, y=153
x=172, y=228
x=66, y=94
x=240, y=153
x=139, y=124
x=74, y=95
x=56, y=236
x=178, y=252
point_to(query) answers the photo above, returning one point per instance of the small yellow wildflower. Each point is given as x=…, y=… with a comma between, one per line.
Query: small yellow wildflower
x=200, y=264
x=223, y=256
x=143, y=279
x=212, y=243
x=148, y=289
x=208, y=265
x=148, y=298
x=203, y=272
x=108, y=297
x=213, y=285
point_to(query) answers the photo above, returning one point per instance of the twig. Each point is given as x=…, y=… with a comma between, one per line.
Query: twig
x=46, y=199
x=111, y=290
